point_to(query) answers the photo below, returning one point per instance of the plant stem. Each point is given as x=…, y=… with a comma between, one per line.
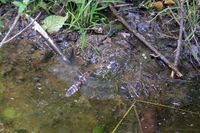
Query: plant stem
x=10, y=30
x=179, y=46
x=124, y=116
x=14, y=36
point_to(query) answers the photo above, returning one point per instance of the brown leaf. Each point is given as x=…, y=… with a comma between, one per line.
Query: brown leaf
x=158, y=5
x=169, y=2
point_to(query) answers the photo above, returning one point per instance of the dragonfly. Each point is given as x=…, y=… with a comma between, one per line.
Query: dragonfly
x=75, y=87
x=92, y=87
x=89, y=84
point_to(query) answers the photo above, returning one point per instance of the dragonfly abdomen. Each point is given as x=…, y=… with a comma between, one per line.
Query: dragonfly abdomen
x=73, y=89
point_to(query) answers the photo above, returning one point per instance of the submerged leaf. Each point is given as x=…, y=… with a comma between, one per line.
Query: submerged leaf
x=53, y=23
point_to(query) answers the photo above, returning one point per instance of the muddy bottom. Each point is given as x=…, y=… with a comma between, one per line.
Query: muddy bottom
x=32, y=92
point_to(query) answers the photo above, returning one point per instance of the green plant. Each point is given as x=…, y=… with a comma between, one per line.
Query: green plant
x=51, y=6
x=192, y=18
x=191, y=21
x=4, y=1
x=53, y=23
x=22, y=6
x=85, y=15
x=39, y=4
x=1, y=23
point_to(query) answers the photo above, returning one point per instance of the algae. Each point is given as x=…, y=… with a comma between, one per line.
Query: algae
x=2, y=88
x=98, y=129
x=10, y=114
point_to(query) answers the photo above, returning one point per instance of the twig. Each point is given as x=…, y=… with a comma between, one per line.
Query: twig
x=44, y=34
x=142, y=39
x=14, y=36
x=124, y=5
x=167, y=106
x=149, y=103
x=138, y=119
x=178, y=49
x=10, y=30
x=124, y=116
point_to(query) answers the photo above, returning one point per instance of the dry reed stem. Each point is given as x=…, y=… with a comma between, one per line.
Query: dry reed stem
x=180, y=40
x=10, y=30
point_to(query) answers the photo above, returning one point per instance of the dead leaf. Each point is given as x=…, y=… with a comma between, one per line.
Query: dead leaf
x=169, y=2
x=158, y=5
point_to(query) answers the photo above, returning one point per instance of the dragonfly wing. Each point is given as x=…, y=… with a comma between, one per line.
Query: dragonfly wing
x=97, y=89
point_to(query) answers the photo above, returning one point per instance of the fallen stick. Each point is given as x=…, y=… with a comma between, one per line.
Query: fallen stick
x=43, y=33
x=179, y=46
x=10, y=30
x=20, y=32
x=142, y=39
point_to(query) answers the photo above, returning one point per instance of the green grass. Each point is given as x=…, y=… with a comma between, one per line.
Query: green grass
x=83, y=14
x=192, y=22
x=191, y=19
x=191, y=16
x=1, y=23
x=4, y=1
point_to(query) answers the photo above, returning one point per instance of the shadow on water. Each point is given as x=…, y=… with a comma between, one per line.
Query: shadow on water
x=32, y=98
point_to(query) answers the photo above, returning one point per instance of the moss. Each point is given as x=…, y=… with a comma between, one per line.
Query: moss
x=21, y=131
x=1, y=55
x=9, y=114
x=2, y=88
x=98, y=129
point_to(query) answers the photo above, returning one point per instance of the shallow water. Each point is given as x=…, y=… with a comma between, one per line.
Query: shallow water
x=32, y=98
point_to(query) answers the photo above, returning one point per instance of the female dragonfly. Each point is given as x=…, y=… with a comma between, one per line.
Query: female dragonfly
x=91, y=86
x=81, y=80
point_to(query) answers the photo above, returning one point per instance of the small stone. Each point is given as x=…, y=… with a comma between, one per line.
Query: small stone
x=12, y=98
x=144, y=56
